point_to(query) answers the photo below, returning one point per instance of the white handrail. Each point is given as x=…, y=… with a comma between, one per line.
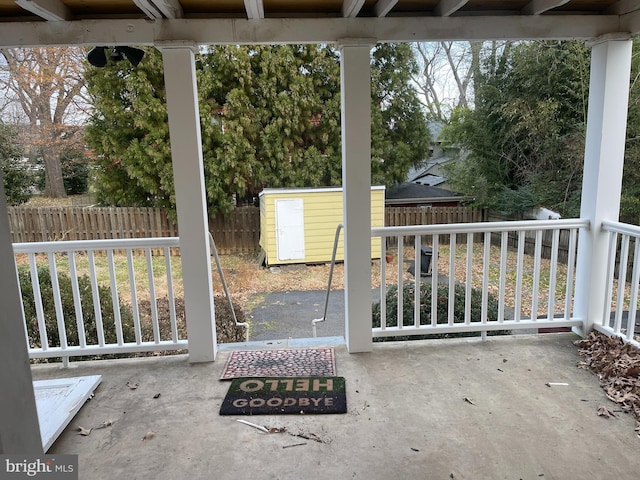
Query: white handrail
x=315, y=321
x=244, y=325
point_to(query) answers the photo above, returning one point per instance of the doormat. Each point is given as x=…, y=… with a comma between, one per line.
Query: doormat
x=297, y=362
x=278, y=395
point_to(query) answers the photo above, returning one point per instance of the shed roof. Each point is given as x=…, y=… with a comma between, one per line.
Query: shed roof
x=409, y=191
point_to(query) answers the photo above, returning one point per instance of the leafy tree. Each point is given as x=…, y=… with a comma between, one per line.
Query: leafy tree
x=399, y=134
x=270, y=116
x=45, y=85
x=17, y=177
x=525, y=136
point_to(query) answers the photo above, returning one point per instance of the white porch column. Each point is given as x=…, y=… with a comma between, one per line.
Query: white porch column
x=19, y=429
x=603, y=162
x=188, y=174
x=355, y=88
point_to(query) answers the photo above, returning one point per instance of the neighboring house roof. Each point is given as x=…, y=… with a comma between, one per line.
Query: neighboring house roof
x=430, y=179
x=410, y=192
x=419, y=175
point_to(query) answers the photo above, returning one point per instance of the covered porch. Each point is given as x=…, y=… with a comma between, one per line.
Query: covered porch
x=461, y=409
x=354, y=27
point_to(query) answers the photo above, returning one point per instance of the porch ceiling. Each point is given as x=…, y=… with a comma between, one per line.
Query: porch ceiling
x=136, y=22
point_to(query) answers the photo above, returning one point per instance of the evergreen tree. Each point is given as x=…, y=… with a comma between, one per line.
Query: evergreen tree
x=16, y=176
x=525, y=136
x=270, y=117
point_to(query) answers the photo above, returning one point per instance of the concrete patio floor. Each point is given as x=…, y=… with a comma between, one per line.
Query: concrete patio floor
x=407, y=418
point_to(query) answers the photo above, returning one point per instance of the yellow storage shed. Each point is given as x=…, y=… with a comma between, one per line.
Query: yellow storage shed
x=299, y=225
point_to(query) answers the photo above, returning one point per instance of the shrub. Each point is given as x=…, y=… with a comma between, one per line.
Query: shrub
x=442, y=309
x=68, y=310
x=226, y=330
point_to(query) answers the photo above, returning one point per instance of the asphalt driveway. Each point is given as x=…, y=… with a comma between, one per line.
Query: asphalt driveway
x=282, y=315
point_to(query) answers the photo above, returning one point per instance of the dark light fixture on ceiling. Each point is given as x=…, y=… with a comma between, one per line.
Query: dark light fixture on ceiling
x=97, y=56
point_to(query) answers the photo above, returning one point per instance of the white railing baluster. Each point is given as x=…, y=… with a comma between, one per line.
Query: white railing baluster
x=633, y=301
x=134, y=297
x=452, y=279
x=37, y=297
x=77, y=301
x=95, y=292
x=520, y=261
x=152, y=297
x=537, y=256
x=171, y=295
x=57, y=301
x=486, y=261
x=26, y=330
x=417, y=280
x=383, y=283
x=117, y=318
x=468, y=280
x=435, y=243
x=553, y=272
x=611, y=262
x=400, y=282
x=504, y=237
x=571, y=266
x=622, y=280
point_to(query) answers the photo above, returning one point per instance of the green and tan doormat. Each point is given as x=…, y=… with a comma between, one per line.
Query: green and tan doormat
x=277, y=395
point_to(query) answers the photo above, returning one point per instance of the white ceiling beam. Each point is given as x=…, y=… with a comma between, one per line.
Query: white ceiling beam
x=149, y=8
x=254, y=8
x=351, y=8
x=384, y=6
x=622, y=7
x=305, y=30
x=448, y=7
x=52, y=10
x=630, y=22
x=169, y=8
x=537, y=7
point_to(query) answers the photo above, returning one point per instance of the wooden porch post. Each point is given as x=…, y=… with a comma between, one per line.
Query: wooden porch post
x=355, y=88
x=188, y=175
x=19, y=429
x=603, y=162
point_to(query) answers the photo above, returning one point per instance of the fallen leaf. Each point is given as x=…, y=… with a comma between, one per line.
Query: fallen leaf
x=105, y=424
x=133, y=385
x=277, y=429
x=605, y=412
x=84, y=431
x=149, y=435
x=468, y=400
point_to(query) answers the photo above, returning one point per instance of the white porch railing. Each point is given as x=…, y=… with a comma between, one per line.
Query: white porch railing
x=130, y=262
x=531, y=291
x=623, y=277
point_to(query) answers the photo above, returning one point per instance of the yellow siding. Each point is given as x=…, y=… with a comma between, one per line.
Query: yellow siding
x=322, y=214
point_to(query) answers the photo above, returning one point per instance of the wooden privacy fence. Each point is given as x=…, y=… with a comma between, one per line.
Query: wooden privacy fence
x=405, y=216
x=237, y=233
x=401, y=216
x=48, y=224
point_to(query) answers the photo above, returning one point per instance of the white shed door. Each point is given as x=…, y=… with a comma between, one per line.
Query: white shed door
x=58, y=401
x=290, y=229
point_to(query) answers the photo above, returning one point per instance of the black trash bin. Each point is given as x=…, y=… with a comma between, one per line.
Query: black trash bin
x=425, y=261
